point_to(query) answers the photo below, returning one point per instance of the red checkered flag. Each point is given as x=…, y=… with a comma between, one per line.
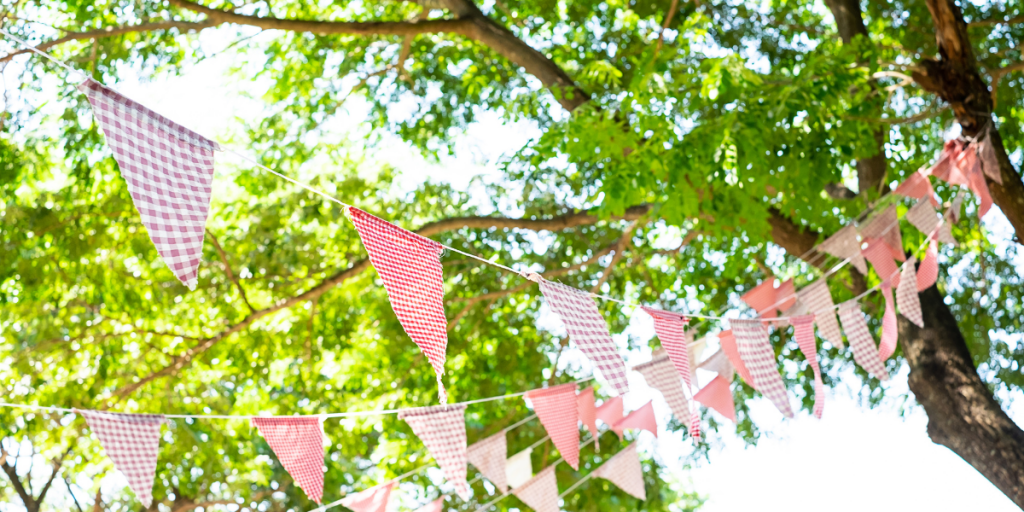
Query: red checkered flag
x=556, y=407
x=660, y=375
x=671, y=331
x=917, y=186
x=928, y=272
x=906, y=295
x=442, y=428
x=817, y=299
x=844, y=245
x=642, y=418
x=888, y=345
x=132, y=441
x=924, y=217
x=759, y=357
x=804, y=334
x=298, y=442
x=877, y=252
x=625, y=472
x=169, y=172
x=410, y=267
x=588, y=413
x=374, y=499
x=541, y=491
x=434, y=506
x=488, y=455
x=864, y=351
x=885, y=226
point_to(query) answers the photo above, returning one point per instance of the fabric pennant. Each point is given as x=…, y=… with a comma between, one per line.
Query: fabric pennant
x=719, y=363
x=434, y=506
x=588, y=330
x=956, y=206
x=928, y=272
x=844, y=245
x=926, y=219
x=488, y=456
x=642, y=418
x=661, y=375
x=804, y=334
x=864, y=351
x=757, y=353
x=374, y=499
x=767, y=300
x=728, y=342
x=588, y=414
x=888, y=345
x=132, y=442
x=918, y=186
x=989, y=159
x=818, y=299
x=298, y=442
x=519, y=468
x=169, y=172
x=540, y=492
x=611, y=411
x=442, y=428
x=976, y=182
x=624, y=470
x=410, y=267
x=718, y=396
x=881, y=259
x=557, y=409
x=671, y=331
x=906, y=295
x=885, y=226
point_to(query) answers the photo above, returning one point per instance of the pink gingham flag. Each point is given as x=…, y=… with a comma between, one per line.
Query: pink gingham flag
x=488, y=455
x=610, y=411
x=757, y=353
x=923, y=217
x=817, y=299
x=928, y=272
x=169, y=172
x=844, y=245
x=588, y=330
x=888, y=345
x=132, y=441
x=434, y=506
x=442, y=428
x=728, y=342
x=374, y=499
x=804, y=334
x=976, y=182
x=885, y=226
x=642, y=418
x=556, y=407
x=671, y=331
x=660, y=375
x=877, y=252
x=718, y=396
x=540, y=492
x=624, y=470
x=719, y=363
x=906, y=295
x=410, y=267
x=298, y=442
x=864, y=351
x=588, y=413
x=918, y=186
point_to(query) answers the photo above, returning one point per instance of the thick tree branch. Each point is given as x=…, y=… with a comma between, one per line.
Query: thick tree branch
x=182, y=26
x=19, y=487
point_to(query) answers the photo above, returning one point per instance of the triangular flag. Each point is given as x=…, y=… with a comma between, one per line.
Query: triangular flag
x=923, y=217
x=488, y=455
x=298, y=442
x=818, y=300
x=588, y=330
x=885, y=226
x=556, y=407
x=976, y=182
x=864, y=351
x=169, y=172
x=671, y=331
x=434, y=506
x=642, y=418
x=917, y=186
x=588, y=413
x=804, y=334
x=766, y=299
x=759, y=357
x=928, y=272
x=719, y=363
x=906, y=295
x=696, y=350
x=956, y=206
x=540, y=492
x=610, y=412
x=718, y=396
x=374, y=499
x=881, y=259
x=944, y=165
x=660, y=374
x=519, y=468
x=728, y=342
x=132, y=442
x=989, y=159
x=888, y=345
x=625, y=472
x=442, y=428
x=844, y=245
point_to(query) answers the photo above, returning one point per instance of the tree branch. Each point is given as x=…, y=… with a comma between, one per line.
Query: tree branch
x=1011, y=21
x=620, y=248
x=183, y=26
x=19, y=487
x=227, y=269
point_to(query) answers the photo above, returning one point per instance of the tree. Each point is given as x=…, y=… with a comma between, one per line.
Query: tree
x=673, y=136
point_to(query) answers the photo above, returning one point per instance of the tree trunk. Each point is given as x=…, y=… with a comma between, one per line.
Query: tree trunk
x=962, y=413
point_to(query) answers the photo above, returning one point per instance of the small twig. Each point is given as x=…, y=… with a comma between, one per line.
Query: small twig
x=227, y=269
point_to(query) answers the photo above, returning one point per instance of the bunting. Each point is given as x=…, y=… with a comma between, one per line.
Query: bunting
x=804, y=334
x=660, y=375
x=374, y=499
x=918, y=186
x=864, y=351
x=766, y=299
x=718, y=396
x=906, y=295
x=671, y=331
x=818, y=300
x=928, y=272
x=519, y=468
x=881, y=259
x=696, y=350
x=489, y=455
x=442, y=428
x=844, y=245
x=624, y=470
x=169, y=172
x=557, y=409
x=610, y=412
x=888, y=345
x=410, y=267
x=757, y=353
x=540, y=492
x=298, y=442
x=926, y=219
x=989, y=159
x=588, y=413
x=642, y=418
x=728, y=342
x=885, y=226
x=970, y=167
x=719, y=364
x=132, y=442
x=588, y=330
x=434, y=506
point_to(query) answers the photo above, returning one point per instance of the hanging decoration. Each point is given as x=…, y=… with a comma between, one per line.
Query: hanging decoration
x=958, y=166
x=906, y=294
x=541, y=491
x=588, y=413
x=610, y=412
x=759, y=357
x=864, y=351
x=923, y=217
x=132, y=441
x=519, y=468
x=696, y=350
x=434, y=506
x=918, y=186
x=642, y=418
x=817, y=299
x=881, y=259
x=624, y=470
x=844, y=245
x=671, y=331
x=298, y=442
x=766, y=299
x=803, y=327
x=660, y=374
x=728, y=342
x=169, y=172
x=719, y=364
x=442, y=428
x=488, y=456
x=989, y=160
x=885, y=226
x=588, y=330
x=374, y=499
x=718, y=396
x=556, y=407
x=928, y=272
x=888, y=345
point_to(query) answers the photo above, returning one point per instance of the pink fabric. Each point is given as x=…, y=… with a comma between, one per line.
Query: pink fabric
x=557, y=409
x=906, y=295
x=918, y=186
x=817, y=298
x=976, y=182
x=926, y=220
x=956, y=207
x=671, y=331
x=169, y=172
x=298, y=442
x=885, y=226
x=762, y=298
x=374, y=499
x=442, y=428
x=989, y=159
x=881, y=259
x=718, y=396
x=757, y=353
x=719, y=363
x=804, y=334
x=888, y=345
x=610, y=412
x=588, y=330
x=489, y=455
x=928, y=272
x=624, y=470
x=642, y=418
x=864, y=351
x=728, y=342
x=660, y=375
x=540, y=492
x=844, y=245
x=946, y=169
x=434, y=506
x=132, y=442
x=588, y=413
x=410, y=267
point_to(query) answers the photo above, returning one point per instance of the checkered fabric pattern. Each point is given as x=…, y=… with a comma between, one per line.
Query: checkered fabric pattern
x=434, y=506
x=803, y=332
x=719, y=363
x=888, y=344
x=410, y=267
x=557, y=409
x=718, y=396
x=727, y=340
x=989, y=160
x=132, y=441
x=906, y=294
x=917, y=186
x=671, y=331
x=660, y=375
x=817, y=298
x=976, y=182
x=945, y=168
x=864, y=351
x=374, y=499
x=757, y=353
x=928, y=272
x=298, y=442
x=442, y=428
x=844, y=245
x=588, y=329
x=881, y=260
x=923, y=217
x=642, y=418
x=169, y=172
x=488, y=455
x=885, y=226
x=541, y=491
x=624, y=470
x=588, y=413
x=956, y=206
x=519, y=468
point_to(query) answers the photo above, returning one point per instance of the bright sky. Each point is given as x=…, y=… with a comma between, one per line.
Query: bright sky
x=854, y=459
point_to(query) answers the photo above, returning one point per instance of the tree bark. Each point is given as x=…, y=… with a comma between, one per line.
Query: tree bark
x=962, y=414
